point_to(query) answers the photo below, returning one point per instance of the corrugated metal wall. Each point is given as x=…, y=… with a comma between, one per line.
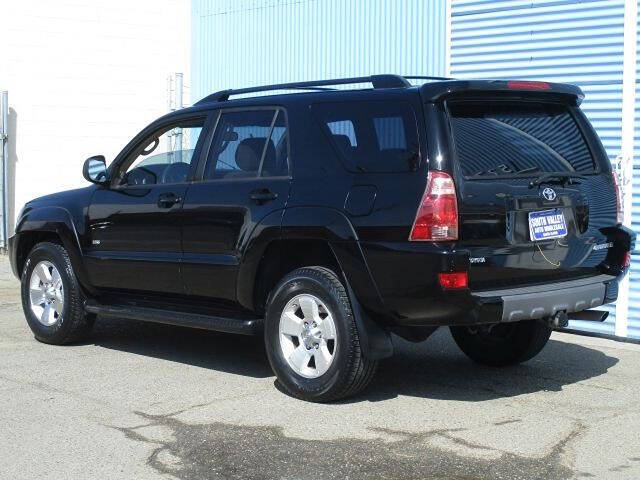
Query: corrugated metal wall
x=240, y=43
x=579, y=42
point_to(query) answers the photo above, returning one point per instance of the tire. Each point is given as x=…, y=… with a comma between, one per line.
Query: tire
x=504, y=344
x=349, y=371
x=57, y=328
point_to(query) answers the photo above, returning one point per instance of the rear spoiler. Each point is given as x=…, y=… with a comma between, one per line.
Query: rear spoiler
x=517, y=89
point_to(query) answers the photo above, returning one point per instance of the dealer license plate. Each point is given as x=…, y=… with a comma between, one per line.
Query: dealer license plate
x=547, y=224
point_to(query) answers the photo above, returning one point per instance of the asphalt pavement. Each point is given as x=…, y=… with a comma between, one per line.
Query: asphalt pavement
x=147, y=401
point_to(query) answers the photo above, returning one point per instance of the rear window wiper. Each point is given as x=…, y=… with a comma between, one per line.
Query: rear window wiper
x=561, y=176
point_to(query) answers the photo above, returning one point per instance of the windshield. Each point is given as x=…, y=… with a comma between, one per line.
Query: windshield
x=525, y=138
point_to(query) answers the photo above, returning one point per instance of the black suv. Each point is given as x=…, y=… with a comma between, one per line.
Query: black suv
x=328, y=219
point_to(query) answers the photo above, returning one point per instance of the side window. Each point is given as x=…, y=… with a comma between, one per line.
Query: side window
x=247, y=144
x=166, y=156
x=375, y=136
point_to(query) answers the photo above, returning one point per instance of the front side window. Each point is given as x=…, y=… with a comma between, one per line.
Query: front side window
x=247, y=144
x=373, y=136
x=165, y=157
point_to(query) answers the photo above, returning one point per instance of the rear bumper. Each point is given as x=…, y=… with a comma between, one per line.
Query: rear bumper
x=541, y=301
x=523, y=303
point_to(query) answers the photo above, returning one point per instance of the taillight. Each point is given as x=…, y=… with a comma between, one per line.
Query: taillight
x=626, y=261
x=437, y=217
x=453, y=280
x=527, y=85
x=619, y=204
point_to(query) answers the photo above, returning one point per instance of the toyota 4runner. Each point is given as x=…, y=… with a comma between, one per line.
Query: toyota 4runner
x=327, y=219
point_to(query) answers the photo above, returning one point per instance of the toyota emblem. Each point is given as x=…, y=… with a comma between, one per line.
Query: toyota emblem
x=549, y=194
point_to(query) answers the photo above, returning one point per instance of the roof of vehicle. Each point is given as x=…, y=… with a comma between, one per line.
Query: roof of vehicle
x=434, y=89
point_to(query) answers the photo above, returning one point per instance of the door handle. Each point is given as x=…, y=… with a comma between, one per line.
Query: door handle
x=262, y=195
x=168, y=200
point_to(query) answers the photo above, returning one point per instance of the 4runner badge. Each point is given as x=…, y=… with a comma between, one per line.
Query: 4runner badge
x=549, y=193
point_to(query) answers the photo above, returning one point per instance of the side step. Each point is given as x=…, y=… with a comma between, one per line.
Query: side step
x=183, y=319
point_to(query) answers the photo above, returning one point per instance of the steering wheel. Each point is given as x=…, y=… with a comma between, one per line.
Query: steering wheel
x=137, y=177
x=175, y=173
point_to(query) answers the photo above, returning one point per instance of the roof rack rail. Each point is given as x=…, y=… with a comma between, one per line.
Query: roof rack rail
x=378, y=81
x=421, y=77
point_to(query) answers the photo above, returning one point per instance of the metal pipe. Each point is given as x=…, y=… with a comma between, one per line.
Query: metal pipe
x=4, y=154
x=178, y=141
x=626, y=149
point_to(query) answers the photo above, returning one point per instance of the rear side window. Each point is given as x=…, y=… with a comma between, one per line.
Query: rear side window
x=375, y=136
x=506, y=139
x=248, y=143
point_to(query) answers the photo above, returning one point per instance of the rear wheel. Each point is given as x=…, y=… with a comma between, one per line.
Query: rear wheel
x=311, y=337
x=51, y=297
x=502, y=344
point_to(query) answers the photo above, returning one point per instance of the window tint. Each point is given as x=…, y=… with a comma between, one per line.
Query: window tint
x=376, y=136
x=495, y=139
x=166, y=156
x=244, y=142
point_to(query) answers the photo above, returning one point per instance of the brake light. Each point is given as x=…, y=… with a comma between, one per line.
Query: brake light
x=524, y=85
x=437, y=216
x=453, y=280
x=626, y=261
x=619, y=204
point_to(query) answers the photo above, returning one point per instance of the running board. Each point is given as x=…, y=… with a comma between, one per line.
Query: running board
x=182, y=319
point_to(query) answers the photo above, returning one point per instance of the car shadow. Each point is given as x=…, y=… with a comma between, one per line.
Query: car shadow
x=434, y=369
x=437, y=369
x=237, y=354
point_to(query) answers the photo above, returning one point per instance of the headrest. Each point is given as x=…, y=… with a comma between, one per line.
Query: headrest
x=249, y=152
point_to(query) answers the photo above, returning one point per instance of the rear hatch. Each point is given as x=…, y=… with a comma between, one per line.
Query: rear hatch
x=535, y=190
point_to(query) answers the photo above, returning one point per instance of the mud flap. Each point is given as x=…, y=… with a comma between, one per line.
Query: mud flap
x=375, y=341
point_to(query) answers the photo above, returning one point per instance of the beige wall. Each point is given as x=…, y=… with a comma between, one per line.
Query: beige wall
x=83, y=78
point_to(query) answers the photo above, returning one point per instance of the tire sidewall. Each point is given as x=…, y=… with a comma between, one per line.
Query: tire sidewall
x=342, y=316
x=59, y=329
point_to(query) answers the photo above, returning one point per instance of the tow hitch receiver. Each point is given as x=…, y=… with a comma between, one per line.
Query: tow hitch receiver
x=559, y=320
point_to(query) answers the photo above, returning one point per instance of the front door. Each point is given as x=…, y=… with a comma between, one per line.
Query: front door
x=134, y=226
x=244, y=180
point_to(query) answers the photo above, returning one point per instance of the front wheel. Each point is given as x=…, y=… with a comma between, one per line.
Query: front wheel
x=311, y=337
x=502, y=344
x=51, y=297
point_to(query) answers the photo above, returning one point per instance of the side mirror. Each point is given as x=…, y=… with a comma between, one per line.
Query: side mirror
x=95, y=170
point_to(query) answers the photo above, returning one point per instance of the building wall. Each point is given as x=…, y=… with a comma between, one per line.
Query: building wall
x=240, y=43
x=579, y=42
x=83, y=78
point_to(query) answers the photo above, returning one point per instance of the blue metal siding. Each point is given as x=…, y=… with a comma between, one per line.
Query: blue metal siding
x=241, y=43
x=578, y=42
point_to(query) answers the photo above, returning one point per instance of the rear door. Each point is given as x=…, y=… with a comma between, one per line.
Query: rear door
x=243, y=179
x=536, y=194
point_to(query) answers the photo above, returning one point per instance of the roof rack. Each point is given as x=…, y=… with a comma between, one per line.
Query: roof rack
x=420, y=77
x=378, y=81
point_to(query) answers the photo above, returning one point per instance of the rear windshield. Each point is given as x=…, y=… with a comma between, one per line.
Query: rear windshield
x=507, y=139
x=372, y=136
